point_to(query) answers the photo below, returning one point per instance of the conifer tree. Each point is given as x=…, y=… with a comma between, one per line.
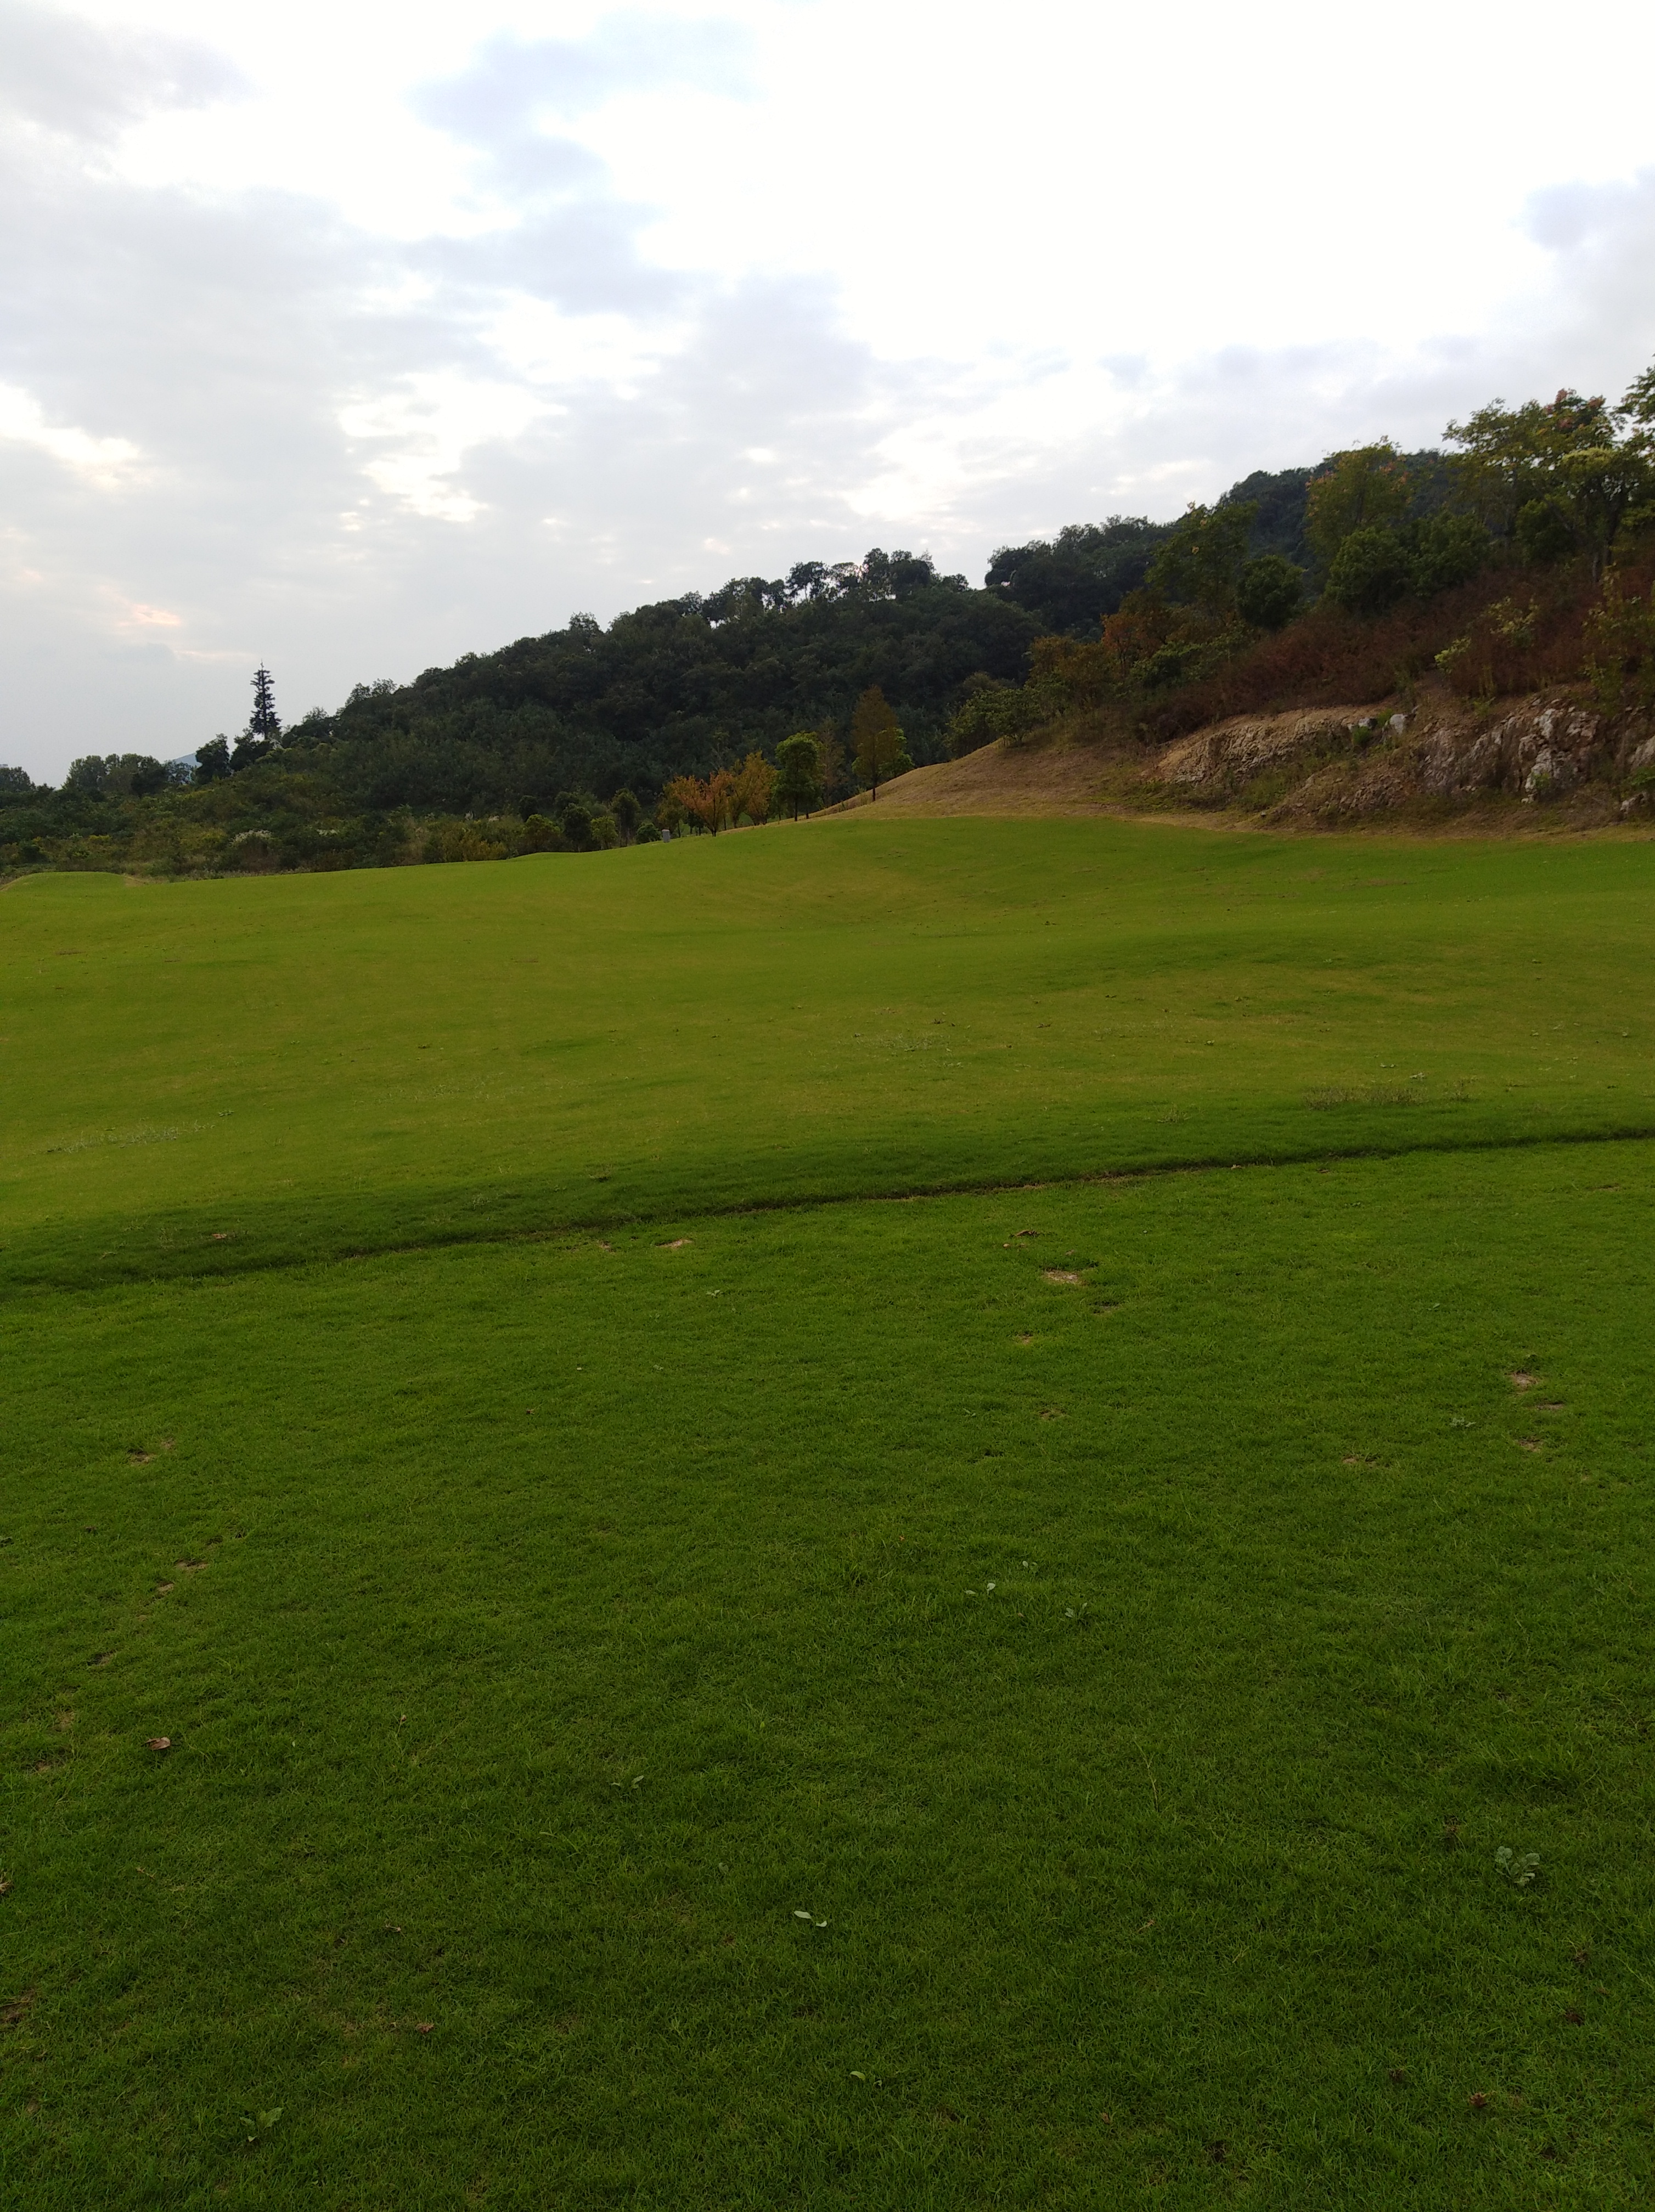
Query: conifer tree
x=263, y=722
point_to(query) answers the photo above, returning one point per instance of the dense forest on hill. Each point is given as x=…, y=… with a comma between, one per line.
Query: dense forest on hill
x=1514, y=560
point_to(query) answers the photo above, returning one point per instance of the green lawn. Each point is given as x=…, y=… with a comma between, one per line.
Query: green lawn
x=1131, y=1677
x=346, y=1062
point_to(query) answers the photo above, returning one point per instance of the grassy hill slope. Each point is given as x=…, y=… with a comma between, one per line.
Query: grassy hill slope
x=207, y=1074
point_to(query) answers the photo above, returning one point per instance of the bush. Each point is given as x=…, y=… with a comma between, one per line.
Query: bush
x=1546, y=530
x=646, y=833
x=1447, y=551
x=1370, y=573
x=1268, y=592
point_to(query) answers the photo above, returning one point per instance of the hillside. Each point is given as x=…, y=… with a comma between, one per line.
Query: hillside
x=1519, y=566
x=1555, y=761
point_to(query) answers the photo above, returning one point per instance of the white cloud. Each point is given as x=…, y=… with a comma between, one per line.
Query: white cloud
x=106, y=462
x=426, y=429
x=402, y=329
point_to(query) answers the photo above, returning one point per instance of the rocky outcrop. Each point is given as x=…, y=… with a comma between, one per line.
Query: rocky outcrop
x=1366, y=761
x=1231, y=754
x=1537, y=753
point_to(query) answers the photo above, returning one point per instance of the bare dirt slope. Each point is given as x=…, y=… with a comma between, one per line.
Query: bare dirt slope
x=1553, y=761
x=1059, y=776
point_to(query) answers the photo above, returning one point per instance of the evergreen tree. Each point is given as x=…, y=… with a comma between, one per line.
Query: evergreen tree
x=263, y=722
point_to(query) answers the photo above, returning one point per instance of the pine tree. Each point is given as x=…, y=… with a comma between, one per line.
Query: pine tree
x=263, y=722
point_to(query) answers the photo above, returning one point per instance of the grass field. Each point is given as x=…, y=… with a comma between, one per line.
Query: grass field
x=680, y=1696
x=323, y=1064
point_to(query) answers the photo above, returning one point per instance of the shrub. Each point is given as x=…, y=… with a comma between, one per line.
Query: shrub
x=1546, y=530
x=1370, y=572
x=1270, y=591
x=1446, y=551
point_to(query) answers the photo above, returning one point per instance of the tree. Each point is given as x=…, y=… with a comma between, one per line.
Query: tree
x=116, y=775
x=1443, y=550
x=1370, y=572
x=876, y=738
x=1201, y=560
x=707, y=805
x=716, y=795
x=1364, y=488
x=625, y=809
x=799, y=772
x=264, y=722
x=1069, y=583
x=1560, y=465
x=1269, y=591
x=212, y=760
x=752, y=785
x=830, y=754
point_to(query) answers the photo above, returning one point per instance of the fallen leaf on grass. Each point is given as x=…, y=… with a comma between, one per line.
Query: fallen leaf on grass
x=1529, y=1444
x=1060, y=1275
x=1479, y=2101
x=423, y=2026
x=675, y=1244
x=140, y=1459
x=5, y=1884
x=1522, y=1382
x=158, y=1743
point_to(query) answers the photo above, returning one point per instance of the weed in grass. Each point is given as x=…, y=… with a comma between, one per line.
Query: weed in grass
x=1521, y=1872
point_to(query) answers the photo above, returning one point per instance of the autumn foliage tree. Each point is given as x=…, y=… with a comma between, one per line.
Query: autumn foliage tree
x=706, y=802
x=752, y=787
x=877, y=740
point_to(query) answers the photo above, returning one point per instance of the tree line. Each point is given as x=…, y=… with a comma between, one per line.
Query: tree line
x=1515, y=557
x=1507, y=559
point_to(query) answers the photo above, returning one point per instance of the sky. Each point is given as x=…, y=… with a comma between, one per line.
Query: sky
x=353, y=337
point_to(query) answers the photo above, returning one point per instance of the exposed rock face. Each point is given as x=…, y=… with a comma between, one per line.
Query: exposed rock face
x=1538, y=751
x=1361, y=760
x=1231, y=753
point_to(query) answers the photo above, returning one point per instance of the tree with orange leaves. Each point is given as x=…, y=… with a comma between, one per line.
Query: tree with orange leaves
x=752, y=787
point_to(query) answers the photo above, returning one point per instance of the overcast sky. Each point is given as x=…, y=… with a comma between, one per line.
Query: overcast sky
x=355, y=336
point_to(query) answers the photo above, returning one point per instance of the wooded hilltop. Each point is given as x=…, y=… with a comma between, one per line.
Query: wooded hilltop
x=1520, y=557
